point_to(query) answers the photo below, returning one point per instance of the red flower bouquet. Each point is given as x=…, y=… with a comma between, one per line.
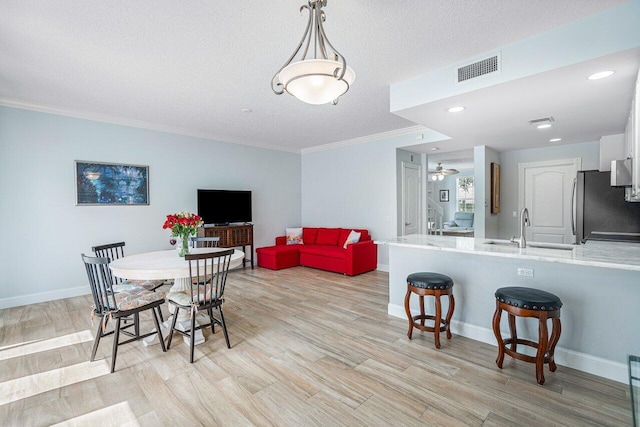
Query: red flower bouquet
x=183, y=225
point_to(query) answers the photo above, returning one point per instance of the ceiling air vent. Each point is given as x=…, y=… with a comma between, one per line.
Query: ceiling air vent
x=479, y=68
x=542, y=121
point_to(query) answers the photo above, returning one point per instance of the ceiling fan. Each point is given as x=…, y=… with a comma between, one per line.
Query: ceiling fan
x=440, y=172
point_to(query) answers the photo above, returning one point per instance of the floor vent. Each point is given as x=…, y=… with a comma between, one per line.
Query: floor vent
x=479, y=68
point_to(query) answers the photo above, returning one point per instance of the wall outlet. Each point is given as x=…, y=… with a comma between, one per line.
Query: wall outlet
x=526, y=272
x=515, y=214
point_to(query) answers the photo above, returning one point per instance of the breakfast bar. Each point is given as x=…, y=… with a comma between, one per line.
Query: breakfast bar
x=599, y=284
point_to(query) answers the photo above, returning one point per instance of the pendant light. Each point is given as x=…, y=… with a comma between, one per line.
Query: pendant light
x=322, y=78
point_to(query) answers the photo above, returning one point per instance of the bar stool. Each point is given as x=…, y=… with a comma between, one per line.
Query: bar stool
x=527, y=302
x=435, y=284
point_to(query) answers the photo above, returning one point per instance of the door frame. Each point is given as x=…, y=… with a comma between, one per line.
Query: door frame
x=576, y=162
x=417, y=167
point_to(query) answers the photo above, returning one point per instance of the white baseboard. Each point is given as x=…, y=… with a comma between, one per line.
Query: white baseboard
x=581, y=361
x=383, y=267
x=44, y=296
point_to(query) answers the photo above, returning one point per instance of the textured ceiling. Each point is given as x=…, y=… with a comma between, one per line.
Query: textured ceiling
x=192, y=66
x=460, y=160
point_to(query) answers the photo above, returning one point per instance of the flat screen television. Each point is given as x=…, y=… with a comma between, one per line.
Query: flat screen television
x=221, y=207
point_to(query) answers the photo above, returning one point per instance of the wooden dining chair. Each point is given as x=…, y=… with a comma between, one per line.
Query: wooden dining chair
x=204, y=242
x=115, y=251
x=108, y=304
x=208, y=273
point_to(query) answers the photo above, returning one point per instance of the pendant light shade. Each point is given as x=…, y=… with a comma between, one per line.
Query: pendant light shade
x=313, y=81
x=318, y=80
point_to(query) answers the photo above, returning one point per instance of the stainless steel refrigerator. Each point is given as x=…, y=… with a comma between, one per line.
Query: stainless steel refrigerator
x=601, y=212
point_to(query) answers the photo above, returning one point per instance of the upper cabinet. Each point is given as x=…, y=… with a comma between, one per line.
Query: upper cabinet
x=632, y=145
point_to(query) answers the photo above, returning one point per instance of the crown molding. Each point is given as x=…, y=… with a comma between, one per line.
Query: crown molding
x=363, y=139
x=105, y=118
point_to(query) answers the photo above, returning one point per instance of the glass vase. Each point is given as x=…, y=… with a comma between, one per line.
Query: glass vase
x=184, y=245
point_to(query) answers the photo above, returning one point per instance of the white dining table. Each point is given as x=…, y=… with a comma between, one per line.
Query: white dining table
x=162, y=265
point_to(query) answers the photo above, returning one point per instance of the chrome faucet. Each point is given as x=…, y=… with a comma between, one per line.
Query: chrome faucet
x=524, y=222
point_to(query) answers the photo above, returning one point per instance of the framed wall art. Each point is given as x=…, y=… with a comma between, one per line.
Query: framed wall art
x=100, y=184
x=495, y=188
x=444, y=195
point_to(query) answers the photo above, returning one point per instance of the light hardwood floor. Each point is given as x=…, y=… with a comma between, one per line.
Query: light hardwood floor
x=308, y=348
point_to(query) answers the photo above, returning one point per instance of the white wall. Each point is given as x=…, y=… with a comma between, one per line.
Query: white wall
x=355, y=186
x=612, y=147
x=589, y=152
x=44, y=233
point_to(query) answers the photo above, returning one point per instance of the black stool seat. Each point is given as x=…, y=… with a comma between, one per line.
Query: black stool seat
x=527, y=298
x=426, y=280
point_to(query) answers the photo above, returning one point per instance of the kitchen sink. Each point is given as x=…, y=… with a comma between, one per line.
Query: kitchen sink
x=542, y=245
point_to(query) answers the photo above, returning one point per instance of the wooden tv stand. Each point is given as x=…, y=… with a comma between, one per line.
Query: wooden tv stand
x=232, y=236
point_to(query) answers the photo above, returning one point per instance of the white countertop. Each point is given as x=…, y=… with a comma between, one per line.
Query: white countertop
x=618, y=255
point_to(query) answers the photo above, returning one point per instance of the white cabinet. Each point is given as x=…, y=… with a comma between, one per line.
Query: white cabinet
x=632, y=145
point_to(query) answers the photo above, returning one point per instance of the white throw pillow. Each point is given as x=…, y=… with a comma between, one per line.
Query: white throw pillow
x=294, y=236
x=354, y=237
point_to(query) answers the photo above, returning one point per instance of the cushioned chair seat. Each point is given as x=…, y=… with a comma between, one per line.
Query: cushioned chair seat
x=427, y=280
x=126, y=287
x=184, y=299
x=128, y=300
x=527, y=298
x=137, y=285
x=146, y=284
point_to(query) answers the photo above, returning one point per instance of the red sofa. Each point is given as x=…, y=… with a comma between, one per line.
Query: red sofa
x=323, y=249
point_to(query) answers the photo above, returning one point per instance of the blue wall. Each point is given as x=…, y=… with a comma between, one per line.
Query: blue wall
x=355, y=186
x=44, y=233
x=589, y=152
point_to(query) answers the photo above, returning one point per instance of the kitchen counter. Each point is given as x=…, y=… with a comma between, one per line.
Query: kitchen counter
x=598, y=283
x=618, y=255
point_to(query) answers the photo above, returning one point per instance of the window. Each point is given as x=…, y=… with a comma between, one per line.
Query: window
x=465, y=194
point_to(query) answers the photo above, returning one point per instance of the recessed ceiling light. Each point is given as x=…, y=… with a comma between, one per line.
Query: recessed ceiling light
x=555, y=139
x=246, y=110
x=435, y=148
x=455, y=109
x=544, y=126
x=601, y=75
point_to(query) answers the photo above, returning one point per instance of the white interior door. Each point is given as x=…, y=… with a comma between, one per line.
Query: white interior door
x=546, y=193
x=411, y=203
